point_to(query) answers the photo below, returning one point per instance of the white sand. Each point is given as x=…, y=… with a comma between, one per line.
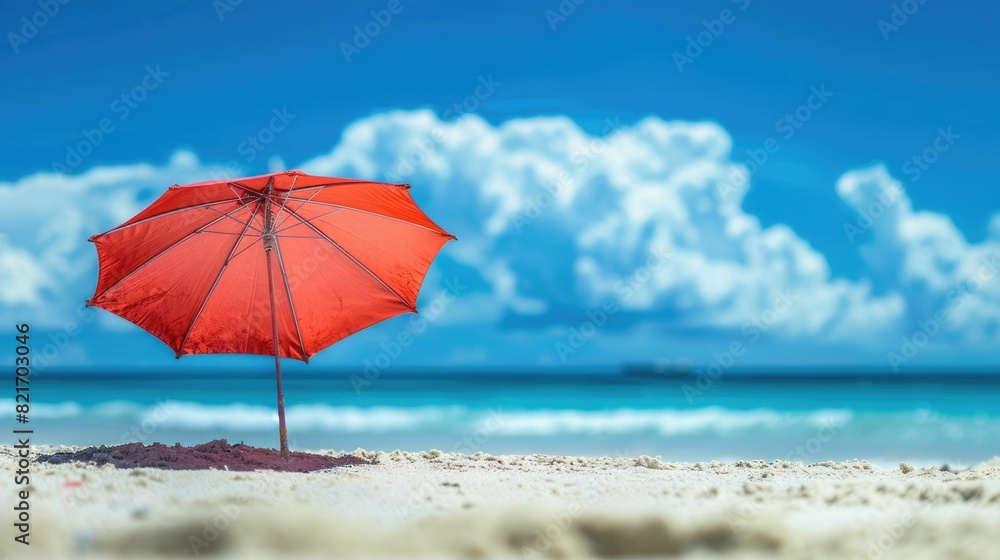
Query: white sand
x=444, y=505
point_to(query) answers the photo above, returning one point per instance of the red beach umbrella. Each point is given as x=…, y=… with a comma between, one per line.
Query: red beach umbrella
x=280, y=265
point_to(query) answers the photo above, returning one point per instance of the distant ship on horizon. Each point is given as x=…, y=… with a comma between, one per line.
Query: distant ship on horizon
x=659, y=369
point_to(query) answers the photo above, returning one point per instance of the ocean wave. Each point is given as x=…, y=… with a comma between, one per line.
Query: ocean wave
x=664, y=422
x=312, y=417
x=47, y=411
x=188, y=415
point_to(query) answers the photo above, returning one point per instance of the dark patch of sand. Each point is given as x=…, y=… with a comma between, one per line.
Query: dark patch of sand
x=217, y=454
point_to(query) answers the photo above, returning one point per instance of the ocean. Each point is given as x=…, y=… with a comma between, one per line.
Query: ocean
x=812, y=417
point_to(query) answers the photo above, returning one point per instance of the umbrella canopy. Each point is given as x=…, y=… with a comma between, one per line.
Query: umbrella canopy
x=282, y=264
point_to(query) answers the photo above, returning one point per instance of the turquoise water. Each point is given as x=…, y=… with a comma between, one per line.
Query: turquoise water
x=951, y=420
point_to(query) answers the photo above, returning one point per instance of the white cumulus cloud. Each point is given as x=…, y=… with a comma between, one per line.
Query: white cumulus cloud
x=924, y=256
x=552, y=221
x=575, y=218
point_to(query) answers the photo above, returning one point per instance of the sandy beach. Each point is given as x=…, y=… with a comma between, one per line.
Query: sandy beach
x=435, y=504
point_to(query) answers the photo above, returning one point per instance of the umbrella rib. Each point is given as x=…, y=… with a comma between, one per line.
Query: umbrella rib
x=291, y=304
x=169, y=213
x=297, y=207
x=287, y=196
x=208, y=296
x=327, y=185
x=244, y=250
x=315, y=218
x=157, y=255
x=318, y=188
x=350, y=256
x=374, y=214
x=237, y=221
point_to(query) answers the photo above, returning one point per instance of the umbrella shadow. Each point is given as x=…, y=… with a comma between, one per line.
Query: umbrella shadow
x=217, y=454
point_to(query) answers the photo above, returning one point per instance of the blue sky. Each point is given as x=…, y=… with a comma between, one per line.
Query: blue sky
x=220, y=72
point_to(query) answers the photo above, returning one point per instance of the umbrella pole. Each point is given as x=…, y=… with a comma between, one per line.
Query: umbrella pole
x=282, y=430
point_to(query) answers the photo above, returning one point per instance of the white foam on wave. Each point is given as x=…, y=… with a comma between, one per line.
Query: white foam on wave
x=387, y=419
x=664, y=422
x=311, y=417
x=45, y=411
